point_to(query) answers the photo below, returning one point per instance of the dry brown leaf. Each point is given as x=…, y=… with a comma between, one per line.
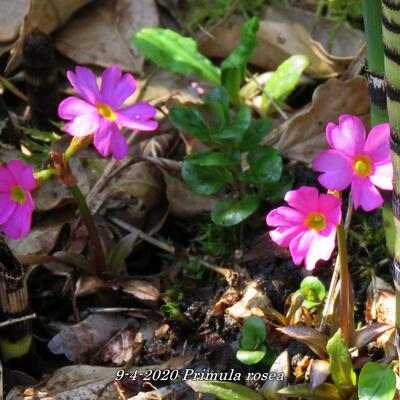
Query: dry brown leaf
x=80, y=342
x=78, y=382
x=381, y=307
x=42, y=237
x=86, y=382
x=141, y=290
x=184, y=203
x=254, y=302
x=101, y=34
x=285, y=32
x=121, y=348
x=312, y=338
x=42, y=14
x=12, y=14
x=319, y=372
x=302, y=137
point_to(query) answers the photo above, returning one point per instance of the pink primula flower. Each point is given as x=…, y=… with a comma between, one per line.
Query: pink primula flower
x=16, y=204
x=99, y=111
x=308, y=226
x=352, y=160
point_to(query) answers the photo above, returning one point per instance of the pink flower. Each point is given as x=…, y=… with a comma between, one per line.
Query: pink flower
x=99, y=110
x=308, y=226
x=16, y=204
x=353, y=160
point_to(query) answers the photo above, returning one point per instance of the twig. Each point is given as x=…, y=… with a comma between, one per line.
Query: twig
x=273, y=102
x=331, y=293
x=219, y=23
x=144, y=236
x=227, y=273
x=17, y=320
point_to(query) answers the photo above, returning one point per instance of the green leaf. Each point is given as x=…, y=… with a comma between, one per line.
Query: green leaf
x=204, y=180
x=239, y=125
x=117, y=256
x=229, y=212
x=341, y=367
x=191, y=120
x=233, y=68
x=253, y=333
x=283, y=81
x=213, y=158
x=251, y=357
x=322, y=392
x=219, y=97
x=265, y=165
x=224, y=390
x=313, y=290
x=376, y=382
x=256, y=132
x=175, y=53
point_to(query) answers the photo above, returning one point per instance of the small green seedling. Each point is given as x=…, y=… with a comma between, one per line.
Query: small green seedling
x=254, y=346
x=313, y=291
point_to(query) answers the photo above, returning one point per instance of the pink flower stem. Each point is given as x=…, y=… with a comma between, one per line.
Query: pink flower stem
x=344, y=282
x=87, y=217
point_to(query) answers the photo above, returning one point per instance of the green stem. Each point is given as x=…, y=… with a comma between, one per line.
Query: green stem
x=344, y=282
x=97, y=249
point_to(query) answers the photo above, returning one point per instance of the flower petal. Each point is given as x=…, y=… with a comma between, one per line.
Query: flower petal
x=377, y=145
x=7, y=181
x=115, y=87
x=383, y=176
x=321, y=247
x=84, y=125
x=331, y=206
x=348, y=137
x=84, y=82
x=19, y=223
x=138, y=117
x=337, y=168
x=108, y=139
x=22, y=173
x=283, y=235
x=73, y=107
x=300, y=245
x=285, y=216
x=7, y=207
x=304, y=199
x=365, y=194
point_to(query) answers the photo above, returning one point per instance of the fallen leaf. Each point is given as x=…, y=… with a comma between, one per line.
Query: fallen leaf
x=302, y=137
x=121, y=348
x=12, y=14
x=315, y=340
x=86, y=382
x=319, y=372
x=254, y=302
x=271, y=387
x=142, y=290
x=81, y=341
x=78, y=382
x=183, y=203
x=285, y=32
x=42, y=237
x=101, y=34
x=42, y=14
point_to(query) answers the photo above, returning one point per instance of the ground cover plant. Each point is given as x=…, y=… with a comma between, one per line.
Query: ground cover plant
x=199, y=200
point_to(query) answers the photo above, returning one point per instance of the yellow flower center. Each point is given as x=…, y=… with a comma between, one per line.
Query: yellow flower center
x=316, y=221
x=18, y=194
x=362, y=166
x=106, y=111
